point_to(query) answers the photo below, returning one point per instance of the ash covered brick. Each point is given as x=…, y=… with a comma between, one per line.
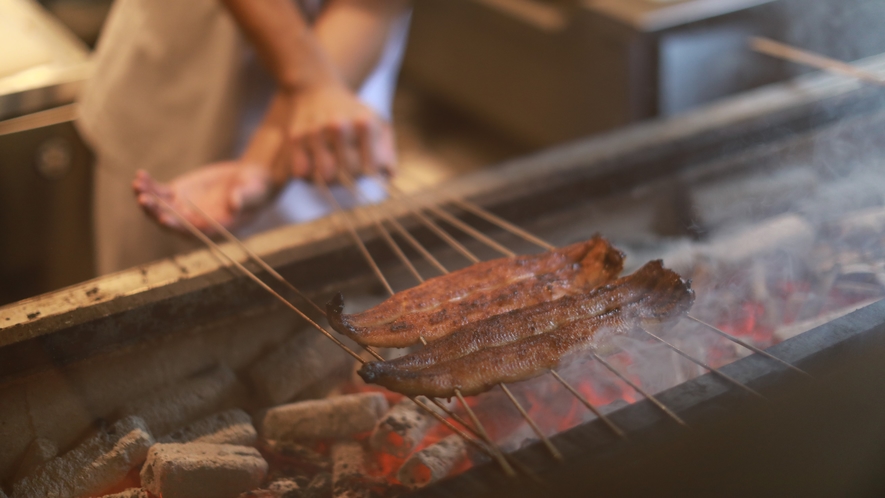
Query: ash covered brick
x=295, y=366
x=202, y=470
x=96, y=465
x=169, y=409
x=40, y=451
x=228, y=427
x=330, y=418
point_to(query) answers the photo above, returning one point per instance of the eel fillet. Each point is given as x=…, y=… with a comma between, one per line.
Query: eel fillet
x=442, y=304
x=528, y=342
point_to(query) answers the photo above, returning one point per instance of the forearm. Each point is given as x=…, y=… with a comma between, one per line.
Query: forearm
x=353, y=33
x=284, y=42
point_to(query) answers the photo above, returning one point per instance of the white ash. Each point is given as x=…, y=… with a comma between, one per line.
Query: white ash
x=330, y=418
x=228, y=427
x=433, y=463
x=96, y=465
x=40, y=451
x=295, y=366
x=202, y=470
x=173, y=407
x=348, y=467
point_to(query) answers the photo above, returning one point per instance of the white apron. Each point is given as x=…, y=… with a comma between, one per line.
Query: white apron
x=168, y=95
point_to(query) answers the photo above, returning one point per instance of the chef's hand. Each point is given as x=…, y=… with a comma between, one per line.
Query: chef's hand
x=330, y=130
x=225, y=191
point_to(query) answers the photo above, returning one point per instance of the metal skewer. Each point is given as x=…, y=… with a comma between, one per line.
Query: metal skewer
x=705, y=365
x=786, y=52
x=641, y=391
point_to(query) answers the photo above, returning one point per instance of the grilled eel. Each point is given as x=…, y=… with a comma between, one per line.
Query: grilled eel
x=525, y=343
x=442, y=304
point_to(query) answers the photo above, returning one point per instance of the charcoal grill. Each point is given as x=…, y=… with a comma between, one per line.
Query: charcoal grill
x=817, y=437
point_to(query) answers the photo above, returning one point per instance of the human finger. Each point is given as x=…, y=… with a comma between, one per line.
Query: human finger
x=301, y=167
x=341, y=137
x=364, y=137
x=321, y=155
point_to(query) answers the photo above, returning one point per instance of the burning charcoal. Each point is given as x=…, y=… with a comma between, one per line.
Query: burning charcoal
x=401, y=429
x=348, y=470
x=433, y=462
x=229, y=427
x=130, y=493
x=330, y=418
x=39, y=452
x=320, y=486
x=202, y=470
x=295, y=366
x=293, y=455
x=285, y=488
x=171, y=408
x=94, y=466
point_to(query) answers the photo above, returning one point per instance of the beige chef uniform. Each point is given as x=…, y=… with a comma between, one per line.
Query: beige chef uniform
x=167, y=96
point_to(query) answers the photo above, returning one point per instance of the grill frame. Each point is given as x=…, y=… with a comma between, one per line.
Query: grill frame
x=183, y=293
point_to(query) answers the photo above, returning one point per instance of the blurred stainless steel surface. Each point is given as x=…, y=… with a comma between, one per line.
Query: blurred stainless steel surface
x=42, y=64
x=546, y=72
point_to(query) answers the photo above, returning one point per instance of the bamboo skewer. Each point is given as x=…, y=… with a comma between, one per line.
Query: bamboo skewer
x=499, y=455
x=215, y=247
x=786, y=52
x=324, y=189
x=702, y=364
x=611, y=425
x=747, y=345
x=515, y=230
x=491, y=451
x=552, y=449
x=350, y=184
x=641, y=391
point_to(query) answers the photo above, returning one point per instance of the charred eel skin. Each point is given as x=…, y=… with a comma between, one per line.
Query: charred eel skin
x=442, y=304
x=526, y=343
